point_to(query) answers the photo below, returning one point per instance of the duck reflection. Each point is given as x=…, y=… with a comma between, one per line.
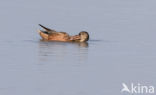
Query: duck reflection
x=61, y=52
x=81, y=44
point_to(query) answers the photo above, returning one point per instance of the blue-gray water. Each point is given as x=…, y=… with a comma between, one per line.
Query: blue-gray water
x=122, y=46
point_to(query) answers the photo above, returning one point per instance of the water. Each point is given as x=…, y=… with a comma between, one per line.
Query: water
x=121, y=47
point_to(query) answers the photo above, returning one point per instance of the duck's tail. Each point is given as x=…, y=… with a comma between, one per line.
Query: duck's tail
x=47, y=29
x=39, y=31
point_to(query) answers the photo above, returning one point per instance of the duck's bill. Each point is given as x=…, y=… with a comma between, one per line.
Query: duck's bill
x=74, y=38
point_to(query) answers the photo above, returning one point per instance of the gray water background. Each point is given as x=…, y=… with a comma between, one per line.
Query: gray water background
x=122, y=46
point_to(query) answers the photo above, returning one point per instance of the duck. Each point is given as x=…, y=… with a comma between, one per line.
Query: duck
x=53, y=35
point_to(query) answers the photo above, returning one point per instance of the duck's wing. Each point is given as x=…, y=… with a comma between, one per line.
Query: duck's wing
x=47, y=29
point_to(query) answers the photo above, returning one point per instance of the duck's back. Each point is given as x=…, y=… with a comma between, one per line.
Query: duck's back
x=59, y=36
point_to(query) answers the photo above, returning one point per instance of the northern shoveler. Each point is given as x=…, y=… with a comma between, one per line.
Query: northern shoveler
x=52, y=35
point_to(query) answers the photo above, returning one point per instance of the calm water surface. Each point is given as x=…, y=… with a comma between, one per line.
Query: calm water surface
x=121, y=47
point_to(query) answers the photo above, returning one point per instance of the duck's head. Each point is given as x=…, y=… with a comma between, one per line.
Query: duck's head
x=84, y=36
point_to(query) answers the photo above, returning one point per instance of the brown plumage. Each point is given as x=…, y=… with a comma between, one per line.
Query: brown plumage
x=52, y=35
